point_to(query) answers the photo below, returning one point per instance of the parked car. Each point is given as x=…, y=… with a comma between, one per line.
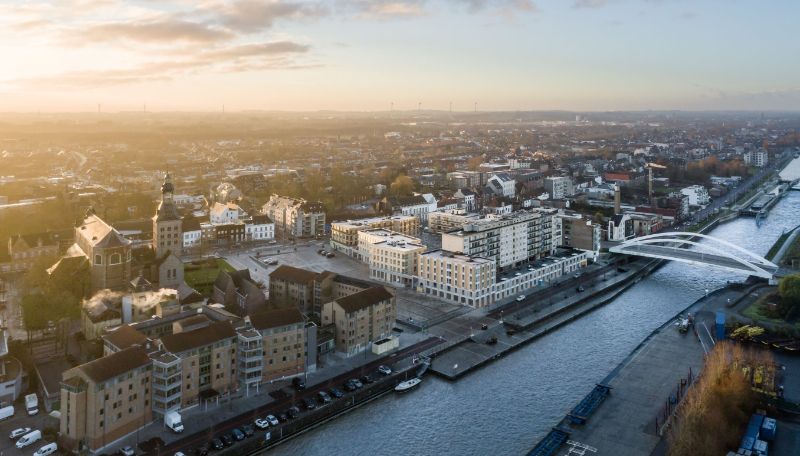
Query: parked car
x=237, y=434
x=272, y=420
x=19, y=432
x=262, y=423
x=217, y=444
x=349, y=386
x=385, y=370
x=50, y=448
x=484, y=326
x=367, y=379
x=357, y=383
x=298, y=383
x=309, y=403
x=283, y=417
x=520, y=298
x=324, y=397
x=337, y=393
x=227, y=439
x=580, y=289
x=330, y=255
x=293, y=412
x=127, y=451
x=248, y=430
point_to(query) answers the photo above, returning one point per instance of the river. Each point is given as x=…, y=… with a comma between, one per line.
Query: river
x=506, y=407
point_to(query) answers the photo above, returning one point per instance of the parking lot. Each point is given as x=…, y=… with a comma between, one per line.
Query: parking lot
x=40, y=421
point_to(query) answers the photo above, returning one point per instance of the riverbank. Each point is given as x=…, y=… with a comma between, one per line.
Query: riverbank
x=633, y=417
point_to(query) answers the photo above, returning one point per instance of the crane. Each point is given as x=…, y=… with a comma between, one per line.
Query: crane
x=650, y=167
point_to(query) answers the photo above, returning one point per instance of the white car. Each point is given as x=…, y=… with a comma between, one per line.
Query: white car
x=385, y=370
x=262, y=423
x=127, y=451
x=19, y=432
x=272, y=420
x=521, y=298
x=179, y=453
x=50, y=448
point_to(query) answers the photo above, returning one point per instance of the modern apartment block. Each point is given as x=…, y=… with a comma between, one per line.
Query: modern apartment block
x=295, y=218
x=344, y=235
x=453, y=220
x=456, y=277
x=559, y=187
x=360, y=319
x=508, y=239
x=392, y=257
x=106, y=399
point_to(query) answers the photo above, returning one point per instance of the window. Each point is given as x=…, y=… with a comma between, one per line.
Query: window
x=98, y=259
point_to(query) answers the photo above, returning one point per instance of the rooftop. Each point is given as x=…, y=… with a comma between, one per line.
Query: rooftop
x=115, y=364
x=292, y=274
x=215, y=332
x=276, y=318
x=363, y=299
x=124, y=336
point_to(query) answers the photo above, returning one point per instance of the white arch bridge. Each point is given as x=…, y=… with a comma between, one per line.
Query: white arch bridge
x=716, y=252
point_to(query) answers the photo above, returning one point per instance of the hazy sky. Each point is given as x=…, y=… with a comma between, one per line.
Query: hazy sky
x=70, y=55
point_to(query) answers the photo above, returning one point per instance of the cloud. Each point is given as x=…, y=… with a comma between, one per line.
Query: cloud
x=166, y=30
x=251, y=16
x=590, y=3
x=236, y=58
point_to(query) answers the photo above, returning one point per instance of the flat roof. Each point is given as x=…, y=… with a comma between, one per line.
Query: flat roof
x=456, y=256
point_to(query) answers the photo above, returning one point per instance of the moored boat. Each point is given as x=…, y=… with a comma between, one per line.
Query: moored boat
x=407, y=385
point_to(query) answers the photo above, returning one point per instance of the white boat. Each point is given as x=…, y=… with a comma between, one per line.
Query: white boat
x=407, y=385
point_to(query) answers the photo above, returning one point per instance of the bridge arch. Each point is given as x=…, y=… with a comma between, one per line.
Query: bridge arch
x=745, y=261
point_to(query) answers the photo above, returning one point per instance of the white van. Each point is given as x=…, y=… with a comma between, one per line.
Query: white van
x=29, y=438
x=50, y=448
x=6, y=412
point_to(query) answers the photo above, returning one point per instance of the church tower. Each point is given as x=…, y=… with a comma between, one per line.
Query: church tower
x=167, y=223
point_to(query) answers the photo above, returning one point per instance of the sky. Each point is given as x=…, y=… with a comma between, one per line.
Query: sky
x=362, y=55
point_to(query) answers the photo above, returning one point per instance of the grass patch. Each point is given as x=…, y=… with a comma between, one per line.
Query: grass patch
x=793, y=252
x=201, y=275
x=758, y=312
x=777, y=245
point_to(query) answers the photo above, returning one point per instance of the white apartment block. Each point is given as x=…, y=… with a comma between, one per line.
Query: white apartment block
x=444, y=221
x=392, y=257
x=501, y=184
x=509, y=239
x=758, y=158
x=295, y=217
x=698, y=195
x=474, y=281
x=559, y=187
x=344, y=235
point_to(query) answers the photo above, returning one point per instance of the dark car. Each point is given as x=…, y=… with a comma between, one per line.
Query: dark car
x=237, y=434
x=323, y=397
x=293, y=412
x=484, y=326
x=580, y=289
x=201, y=451
x=282, y=417
x=248, y=430
x=298, y=383
x=309, y=403
x=337, y=393
x=330, y=255
x=350, y=386
x=227, y=439
x=217, y=444
x=367, y=379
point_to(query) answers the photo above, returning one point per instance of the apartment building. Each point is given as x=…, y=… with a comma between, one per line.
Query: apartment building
x=758, y=158
x=578, y=232
x=361, y=319
x=452, y=220
x=282, y=335
x=697, y=194
x=295, y=218
x=237, y=291
x=344, y=235
x=207, y=359
x=105, y=399
x=457, y=278
x=292, y=287
x=508, y=239
x=392, y=257
x=502, y=184
x=559, y=187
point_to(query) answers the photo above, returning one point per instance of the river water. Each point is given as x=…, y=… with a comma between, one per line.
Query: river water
x=506, y=407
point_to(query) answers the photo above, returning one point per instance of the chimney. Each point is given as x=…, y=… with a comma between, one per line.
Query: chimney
x=617, y=210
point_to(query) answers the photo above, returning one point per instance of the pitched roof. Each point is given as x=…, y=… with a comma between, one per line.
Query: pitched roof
x=100, y=233
x=115, y=364
x=210, y=334
x=124, y=336
x=292, y=274
x=190, y=224
x=364, y=299
x=276, y=318
x=261, y=220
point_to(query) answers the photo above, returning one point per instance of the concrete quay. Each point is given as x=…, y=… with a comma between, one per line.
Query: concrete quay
x=474, y=349
x=630, y=420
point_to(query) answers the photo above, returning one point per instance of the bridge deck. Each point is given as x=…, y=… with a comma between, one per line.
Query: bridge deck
x=692, y=256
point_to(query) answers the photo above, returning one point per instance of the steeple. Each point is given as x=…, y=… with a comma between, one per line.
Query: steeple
x=167, y=189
